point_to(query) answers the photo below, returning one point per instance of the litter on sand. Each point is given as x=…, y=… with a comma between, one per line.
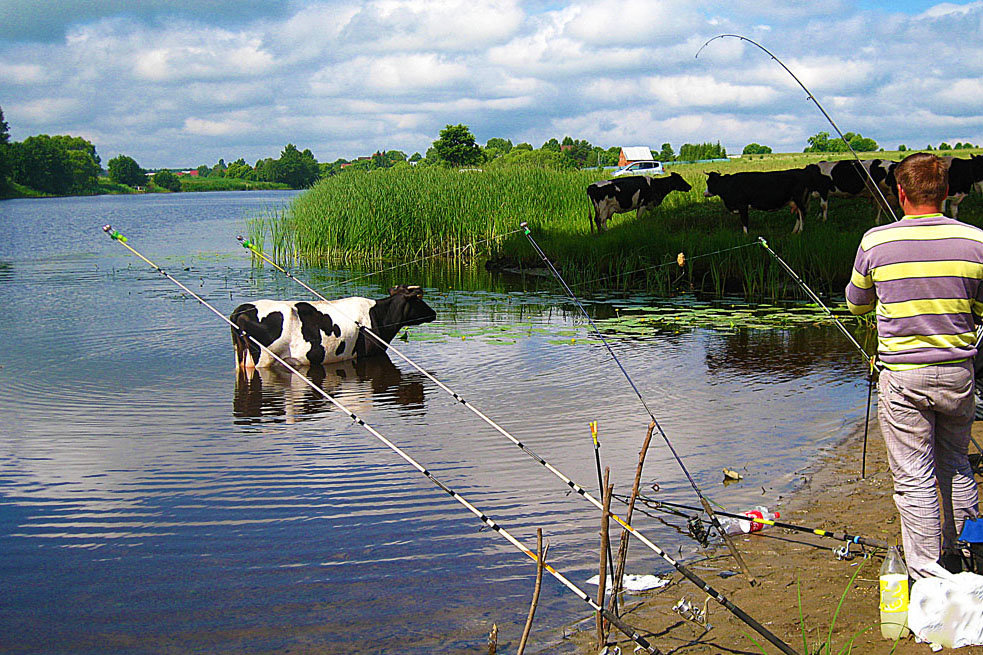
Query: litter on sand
x=634, y=583
x=948, y=609
x=732, y=475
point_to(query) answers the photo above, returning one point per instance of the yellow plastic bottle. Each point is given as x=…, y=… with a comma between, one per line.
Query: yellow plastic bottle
x=894, y=596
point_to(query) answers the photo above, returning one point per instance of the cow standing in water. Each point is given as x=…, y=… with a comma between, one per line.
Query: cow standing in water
x=629, y=194
x=313, y=333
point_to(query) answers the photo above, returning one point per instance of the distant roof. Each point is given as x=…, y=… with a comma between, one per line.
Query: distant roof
x=636, y=153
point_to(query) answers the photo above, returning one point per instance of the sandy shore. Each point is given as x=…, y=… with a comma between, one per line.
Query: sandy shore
x=787, y=564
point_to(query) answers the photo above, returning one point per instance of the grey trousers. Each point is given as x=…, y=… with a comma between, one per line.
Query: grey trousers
x=926, y=416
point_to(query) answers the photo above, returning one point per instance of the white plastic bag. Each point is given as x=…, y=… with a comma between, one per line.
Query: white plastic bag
x=948, y=609
x=634, y=583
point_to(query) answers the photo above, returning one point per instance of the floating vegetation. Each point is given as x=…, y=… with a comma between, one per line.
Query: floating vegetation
x=635, y=318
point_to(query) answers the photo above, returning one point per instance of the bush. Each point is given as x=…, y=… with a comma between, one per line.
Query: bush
x=167, y=180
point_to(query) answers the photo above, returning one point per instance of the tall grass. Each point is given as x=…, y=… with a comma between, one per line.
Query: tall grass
x=386, y=216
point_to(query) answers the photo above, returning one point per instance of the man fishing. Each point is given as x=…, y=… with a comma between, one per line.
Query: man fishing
x=924, y=276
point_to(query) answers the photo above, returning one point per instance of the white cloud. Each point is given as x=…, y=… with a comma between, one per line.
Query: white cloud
x=12, y=73
x=346, y=78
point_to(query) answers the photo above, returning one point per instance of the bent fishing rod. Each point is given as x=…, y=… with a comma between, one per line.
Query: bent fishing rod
x=703, y=500
x=628, y=630
x=684, y=570
x=868, y=180
x=839, y=536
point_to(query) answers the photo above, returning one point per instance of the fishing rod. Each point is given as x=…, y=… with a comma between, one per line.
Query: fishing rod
x=703, y=501
x=628, y=630
x=871, y=360
x=463, y=248
x=872, y=187
x=684, y=570
x=839, y=536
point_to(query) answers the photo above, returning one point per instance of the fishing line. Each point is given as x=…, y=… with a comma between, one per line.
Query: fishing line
x=665, y=437
x=655, y=266
x=839, y=536
x=629, y=631
x=738, y=612
x=349, y=281
x=869, y=182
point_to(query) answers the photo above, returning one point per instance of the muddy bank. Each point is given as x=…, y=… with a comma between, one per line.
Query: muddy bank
x=791, y=565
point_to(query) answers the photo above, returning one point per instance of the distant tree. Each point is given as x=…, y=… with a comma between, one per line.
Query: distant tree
x=204, y=171
x=666, y=153
x=238, y=169
x=756, y=149
x=929, y=147
x=523, y=146
x=456, y=147
x=167, y=180
x=6, y=165
x=552, y=144
x=125, y=170
x=821, y=142
x=818, y=142
x=902, y=148
x=40, y=163
x=502, y=145
x=415, y=157
x=944, y=146
x=576, y=149
x=395, y=156
x=696, y=152
x=521, y=157
x=218, y=170
x=296, y=169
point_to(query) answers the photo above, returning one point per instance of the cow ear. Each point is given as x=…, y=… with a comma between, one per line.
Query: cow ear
x=394, y=290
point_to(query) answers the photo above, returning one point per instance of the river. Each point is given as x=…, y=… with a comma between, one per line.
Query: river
x=152, y=502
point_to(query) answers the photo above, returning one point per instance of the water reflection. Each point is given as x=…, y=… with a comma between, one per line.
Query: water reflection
x=778, y=355
x=277, y=394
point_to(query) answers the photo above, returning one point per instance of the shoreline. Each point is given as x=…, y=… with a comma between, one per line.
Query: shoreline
x=789, y=565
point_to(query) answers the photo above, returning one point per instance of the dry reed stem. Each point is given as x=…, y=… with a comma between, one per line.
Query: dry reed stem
x=540, y=565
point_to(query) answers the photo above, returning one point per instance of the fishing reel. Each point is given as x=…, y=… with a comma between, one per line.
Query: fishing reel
x=698, y=531
x=843, y=553
x=693, y=613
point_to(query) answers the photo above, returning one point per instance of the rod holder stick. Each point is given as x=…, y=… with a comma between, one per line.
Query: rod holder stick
x=688, y=574
x=623, y=545
x=629, y=631
x=583, y=310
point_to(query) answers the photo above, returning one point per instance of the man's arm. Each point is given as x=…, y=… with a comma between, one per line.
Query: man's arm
x=860, y=294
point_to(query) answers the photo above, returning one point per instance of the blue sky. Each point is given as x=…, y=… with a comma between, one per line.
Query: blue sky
x=181, y=82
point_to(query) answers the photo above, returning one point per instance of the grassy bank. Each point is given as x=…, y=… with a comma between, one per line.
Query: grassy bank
x=392, y=216
x=189, y=183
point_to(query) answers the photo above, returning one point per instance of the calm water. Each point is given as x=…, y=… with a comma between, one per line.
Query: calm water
x=151, y=502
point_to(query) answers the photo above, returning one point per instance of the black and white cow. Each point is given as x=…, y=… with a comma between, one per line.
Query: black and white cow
x=964, y=175
x=625, y=194
x=843, y=179
x=313, y=333
x=765, y=190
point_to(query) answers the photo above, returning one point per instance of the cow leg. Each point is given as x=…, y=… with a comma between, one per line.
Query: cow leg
x=954, y=204
x=743, y=211
x=824, y=203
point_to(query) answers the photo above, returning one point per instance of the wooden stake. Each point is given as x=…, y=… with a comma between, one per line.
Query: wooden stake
x=602, y=580
x=540, y=565
x=493, y=640
x=619, y=574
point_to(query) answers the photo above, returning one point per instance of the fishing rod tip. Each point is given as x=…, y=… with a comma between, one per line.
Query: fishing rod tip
x=523, y=224
x=239, y=238
x=107, y=228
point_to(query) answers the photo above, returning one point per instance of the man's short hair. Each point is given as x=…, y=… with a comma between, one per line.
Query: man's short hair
x=924, y=178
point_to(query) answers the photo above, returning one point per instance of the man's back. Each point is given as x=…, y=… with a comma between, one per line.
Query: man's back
x=924, y=274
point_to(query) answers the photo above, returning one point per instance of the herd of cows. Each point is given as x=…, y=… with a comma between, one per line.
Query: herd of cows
x=771, y=190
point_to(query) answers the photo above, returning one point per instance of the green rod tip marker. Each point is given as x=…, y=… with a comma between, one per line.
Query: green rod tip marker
x=113, y=234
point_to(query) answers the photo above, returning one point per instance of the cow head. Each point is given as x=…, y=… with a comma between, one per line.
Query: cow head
x=402, y=308
x=677, y=183
x=713, y=178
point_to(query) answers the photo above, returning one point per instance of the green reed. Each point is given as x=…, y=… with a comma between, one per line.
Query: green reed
x=375, y=219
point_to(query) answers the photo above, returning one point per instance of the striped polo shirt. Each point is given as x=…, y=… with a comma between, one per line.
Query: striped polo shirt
x=924, y=277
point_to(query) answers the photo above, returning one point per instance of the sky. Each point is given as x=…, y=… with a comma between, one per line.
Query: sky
x=178, y=83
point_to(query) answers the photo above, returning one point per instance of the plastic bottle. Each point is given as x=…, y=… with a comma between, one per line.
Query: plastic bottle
x=894, y=596
x=738, y=526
